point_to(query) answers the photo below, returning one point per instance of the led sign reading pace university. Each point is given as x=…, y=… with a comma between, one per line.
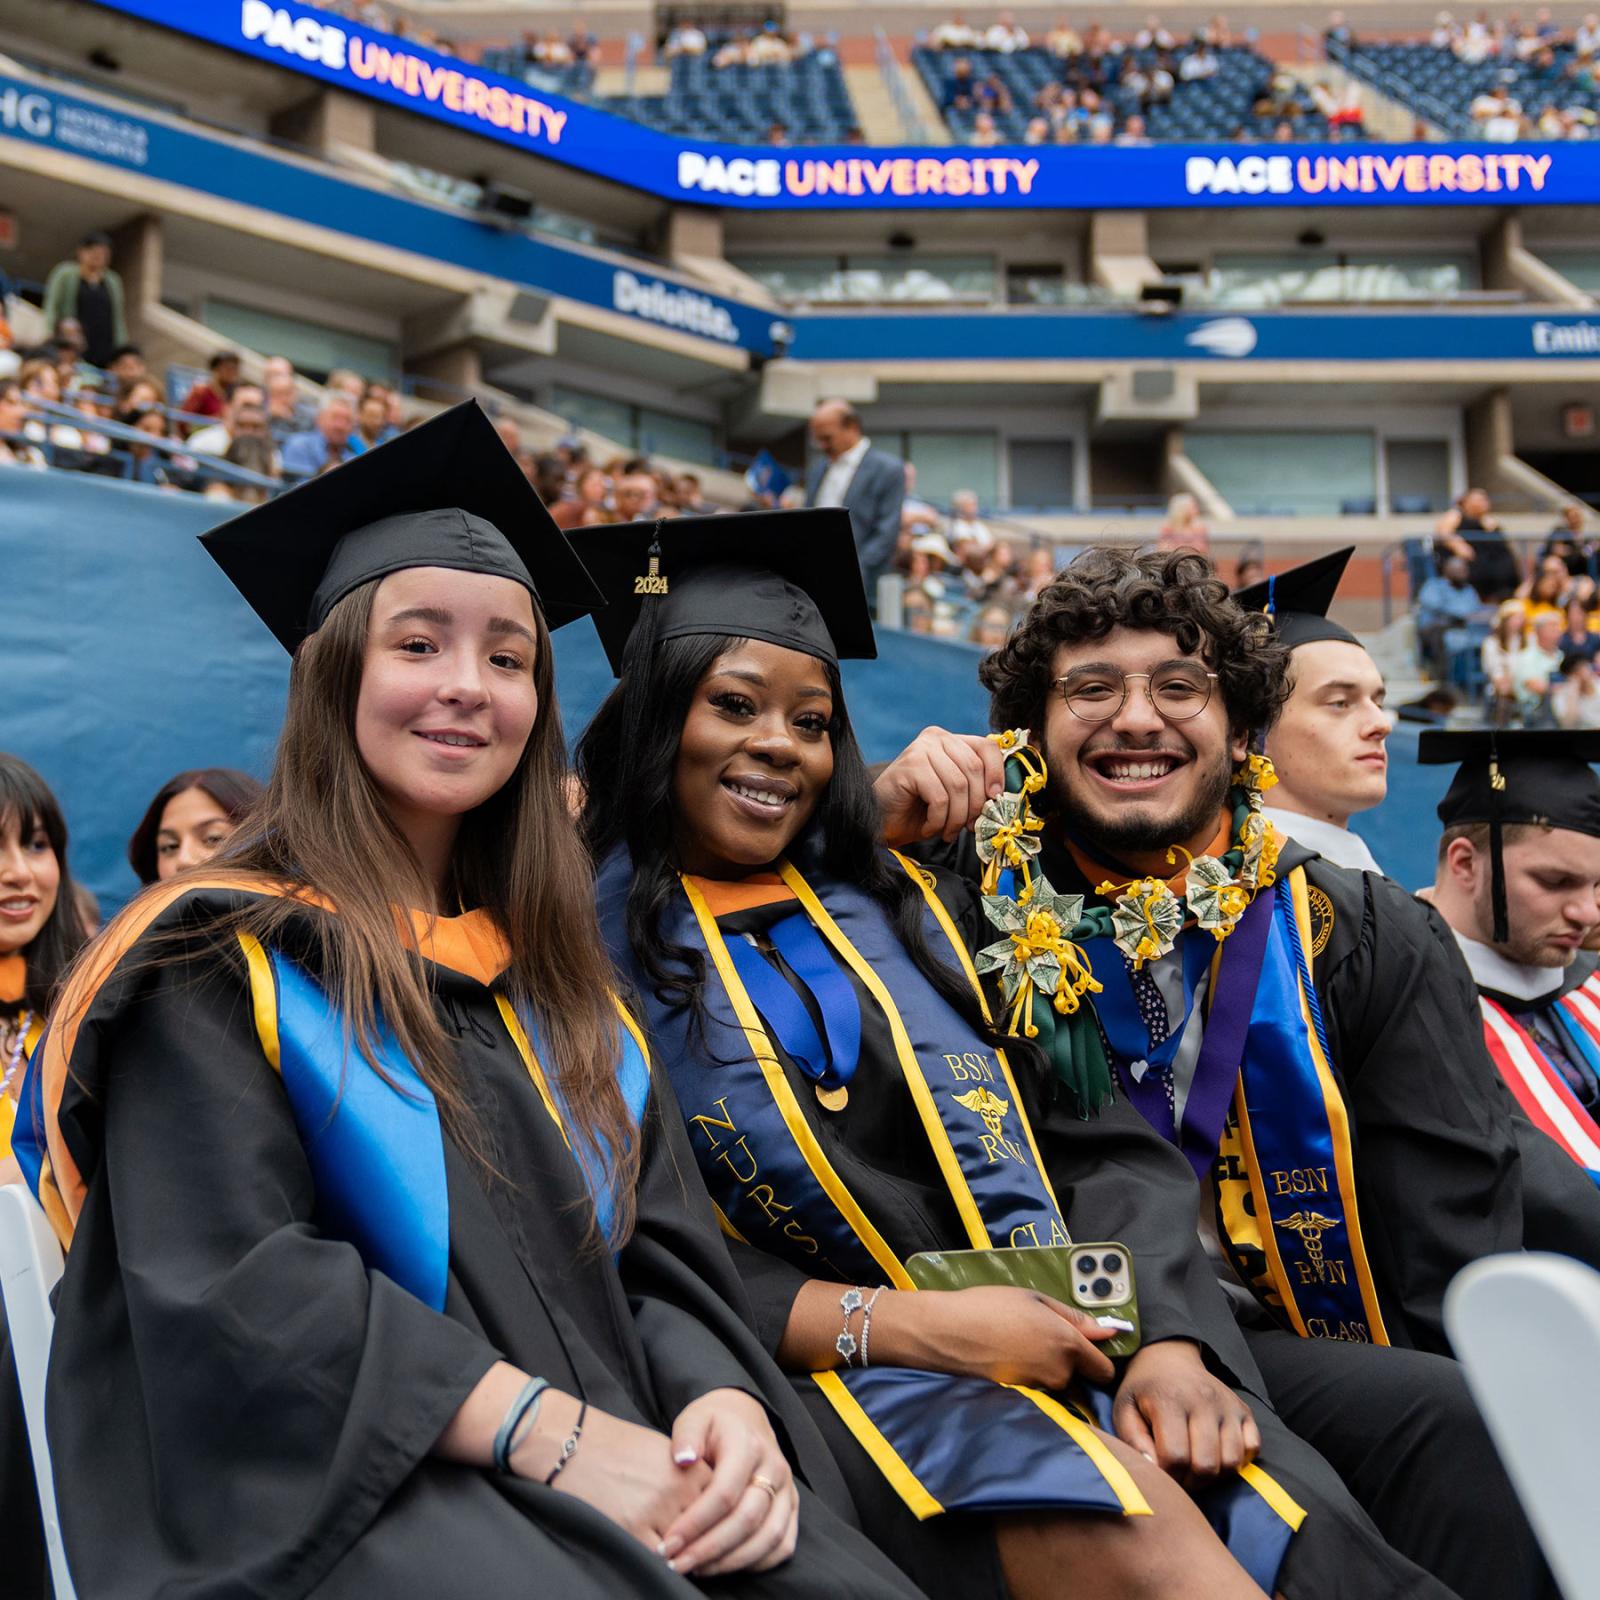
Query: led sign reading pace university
x=381, y=66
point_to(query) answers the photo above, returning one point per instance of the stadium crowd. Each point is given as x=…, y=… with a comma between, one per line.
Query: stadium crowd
x=552, y=1310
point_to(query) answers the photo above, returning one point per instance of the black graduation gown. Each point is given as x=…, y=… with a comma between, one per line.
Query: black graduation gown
x=1440, y=1182
x=239, y=1406
x=1115, y=1179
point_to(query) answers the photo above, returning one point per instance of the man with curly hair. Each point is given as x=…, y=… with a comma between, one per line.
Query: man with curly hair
x=1317, y=1059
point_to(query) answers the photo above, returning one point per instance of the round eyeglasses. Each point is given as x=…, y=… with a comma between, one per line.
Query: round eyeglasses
x=1097, y=694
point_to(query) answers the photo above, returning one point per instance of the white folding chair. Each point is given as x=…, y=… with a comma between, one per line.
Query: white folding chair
x=30, y=1264
x=1527, y=1331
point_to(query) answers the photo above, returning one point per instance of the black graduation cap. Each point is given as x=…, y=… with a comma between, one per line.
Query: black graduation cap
x=445, y=494
x=789, y=578
x=1298, y=600
x=1510, y=775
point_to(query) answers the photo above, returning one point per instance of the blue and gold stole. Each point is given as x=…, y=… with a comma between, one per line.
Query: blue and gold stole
x=944, y=1443
x=1278, y=1137
x=371, y=1130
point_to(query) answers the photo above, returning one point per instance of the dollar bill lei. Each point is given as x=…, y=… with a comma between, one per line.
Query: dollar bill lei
x=1041, y=964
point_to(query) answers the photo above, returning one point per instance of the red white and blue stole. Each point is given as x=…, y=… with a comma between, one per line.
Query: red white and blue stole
x=1536, y=1083
x=944, y=1443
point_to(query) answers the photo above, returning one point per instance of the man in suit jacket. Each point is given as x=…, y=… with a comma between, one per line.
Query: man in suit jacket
x=869, y=483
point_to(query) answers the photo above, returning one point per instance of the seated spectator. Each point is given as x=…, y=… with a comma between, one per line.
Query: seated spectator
x=215, y=437
x=1445, y=32
x=1575, y=701
x=956, y=34
x=41, y=383
x=686, y=39
x=958, y=88
x=991, y=627
x=1497, y=115
x=89, y=290
x=552, y=51
x=1152, y=36
x=288, y=411
x=1338, y=33
x=1534, y=670
x=1249, y=568
x=591, y=492
x=777, y=133
x=1037, y=131
x=326, y=444
x=1579, y=639
x=1586, y=37
x=636, y=496
x=916, y=610
x=1004, y=35
x=734, y=52
x=127, y=365
x=1498, y=655
x=1548, y=590
x=66, y=350
x=208, y=397
x=1470, y=530
x=984, y=133
x=343, y=381
x=1063, y=41
x=147, y=464
x=254, y=452
x=1160, y=86
x=10, y=357
x=1133, y=131
x=769, y=48
x=1184, y=528
x=582, y=44
x=1570, y=540
x=1038, y=571
x=1199, y=64
x=991, y=94
x=372, y=422
x=16, y=449
x=143, y=394
x=1445, y=603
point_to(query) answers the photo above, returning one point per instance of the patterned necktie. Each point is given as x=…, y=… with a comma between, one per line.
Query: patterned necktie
x=1153, y=1013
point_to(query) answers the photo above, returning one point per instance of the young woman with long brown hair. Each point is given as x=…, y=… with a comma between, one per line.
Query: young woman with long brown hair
x=384, y=1277
x=40, y=927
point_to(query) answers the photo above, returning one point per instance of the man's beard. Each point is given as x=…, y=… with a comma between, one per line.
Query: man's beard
x=1523, y=952
x=1134, y=830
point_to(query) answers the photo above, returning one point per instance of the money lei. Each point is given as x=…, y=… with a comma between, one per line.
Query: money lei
x=1042, y=968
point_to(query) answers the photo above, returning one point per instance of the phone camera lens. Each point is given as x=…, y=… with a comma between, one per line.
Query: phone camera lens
x=1111, y=1263
x=1086, y=1265
x=1101, y=1288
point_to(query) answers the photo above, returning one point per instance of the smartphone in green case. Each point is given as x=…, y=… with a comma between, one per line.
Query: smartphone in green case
x=1096, y=1278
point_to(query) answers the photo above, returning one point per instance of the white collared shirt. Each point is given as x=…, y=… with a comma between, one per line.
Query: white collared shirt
x=1333, y=843
x=1491, y=970
x=841, y=472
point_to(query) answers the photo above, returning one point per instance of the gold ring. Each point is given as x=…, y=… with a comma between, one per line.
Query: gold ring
x=766, y=1485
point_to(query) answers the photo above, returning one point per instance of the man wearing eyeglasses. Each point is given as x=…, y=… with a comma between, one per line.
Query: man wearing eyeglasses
x=1312, y=1050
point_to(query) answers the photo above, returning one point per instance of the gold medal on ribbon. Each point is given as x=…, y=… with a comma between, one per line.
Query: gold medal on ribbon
x=832, y=1099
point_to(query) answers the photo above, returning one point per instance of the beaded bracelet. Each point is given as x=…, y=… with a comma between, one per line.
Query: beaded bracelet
x=569, y=1445
x=866, y=1324
x=523, y=1407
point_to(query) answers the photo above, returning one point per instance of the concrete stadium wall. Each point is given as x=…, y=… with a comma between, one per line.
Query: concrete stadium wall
x=129, y=657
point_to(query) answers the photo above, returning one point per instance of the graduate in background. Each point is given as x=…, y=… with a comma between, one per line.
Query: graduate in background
x=41, y=929
x=812, y=996
x=1327, y=746
x=1318, y=1060
x=383, y=1277
x=1521, y=906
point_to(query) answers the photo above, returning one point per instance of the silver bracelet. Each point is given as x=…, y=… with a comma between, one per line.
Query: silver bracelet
x=866, y=1324
x=850, y=1302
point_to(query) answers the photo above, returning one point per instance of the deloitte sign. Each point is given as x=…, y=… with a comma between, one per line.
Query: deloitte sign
x=672, y=307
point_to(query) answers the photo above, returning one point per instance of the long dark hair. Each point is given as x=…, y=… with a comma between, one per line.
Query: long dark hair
x=626, y=759
x=233, y=790
x=322, y=828
x=26, y=803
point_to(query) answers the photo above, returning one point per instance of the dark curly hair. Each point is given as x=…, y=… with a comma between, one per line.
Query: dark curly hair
x=1177, y=593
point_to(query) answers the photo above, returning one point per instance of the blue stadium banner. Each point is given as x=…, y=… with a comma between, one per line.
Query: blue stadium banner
x=384, y=67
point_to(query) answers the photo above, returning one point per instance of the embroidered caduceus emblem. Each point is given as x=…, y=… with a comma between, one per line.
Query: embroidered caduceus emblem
x=1311, y=1225
x=992, y=1109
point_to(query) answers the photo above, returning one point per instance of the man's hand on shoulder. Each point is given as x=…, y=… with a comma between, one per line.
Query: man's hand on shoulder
x=937, y=785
